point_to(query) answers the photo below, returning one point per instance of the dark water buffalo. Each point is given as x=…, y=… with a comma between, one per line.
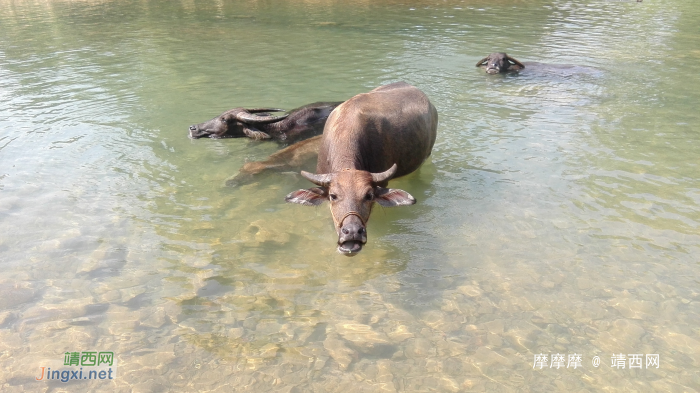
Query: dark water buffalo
x=502, y=63
x=499, y=62
x=297, y=124
x=368, y=140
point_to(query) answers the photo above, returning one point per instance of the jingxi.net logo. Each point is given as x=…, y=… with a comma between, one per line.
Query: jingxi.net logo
x=77, y=366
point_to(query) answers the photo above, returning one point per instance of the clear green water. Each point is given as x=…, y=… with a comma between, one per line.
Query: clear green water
x=559, y=213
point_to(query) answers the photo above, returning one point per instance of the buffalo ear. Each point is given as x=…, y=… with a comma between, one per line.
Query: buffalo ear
x=482, y=61
x=255, y=134
x=311, y=197
x=515, y=62
x=389, y=197
x=227, y=116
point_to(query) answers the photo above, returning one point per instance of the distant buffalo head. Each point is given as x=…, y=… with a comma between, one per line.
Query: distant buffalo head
x=237, y=123
x=351, y=194
x=499, y=62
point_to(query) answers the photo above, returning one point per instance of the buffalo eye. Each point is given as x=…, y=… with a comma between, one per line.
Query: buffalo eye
x=333, y=197
x=369, y=196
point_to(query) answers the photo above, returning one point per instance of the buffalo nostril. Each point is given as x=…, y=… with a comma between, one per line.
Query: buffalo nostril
x=361, y=231
x=193, y=128
x=345, y=231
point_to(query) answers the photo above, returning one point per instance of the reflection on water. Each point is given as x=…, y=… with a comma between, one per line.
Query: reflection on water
x=559, y=211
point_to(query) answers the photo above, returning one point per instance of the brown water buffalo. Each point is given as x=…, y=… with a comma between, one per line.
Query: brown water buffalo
x=499, y=62
x=297, y=124
x=368, y=140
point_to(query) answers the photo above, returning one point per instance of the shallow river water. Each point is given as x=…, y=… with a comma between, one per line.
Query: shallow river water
x=557, y=218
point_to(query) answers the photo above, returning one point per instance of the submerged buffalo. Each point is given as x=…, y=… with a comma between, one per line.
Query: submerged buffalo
x=368, y=140
x=290, y=158
x=496, y=63
x=499, y=62
x=297, y=124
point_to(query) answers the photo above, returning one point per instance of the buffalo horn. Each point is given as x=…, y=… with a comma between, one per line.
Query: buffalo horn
x=515, y=61
x=258, y=110
x=481, y=61
x=384, y=176
x=247, y=117
x=323, y=180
